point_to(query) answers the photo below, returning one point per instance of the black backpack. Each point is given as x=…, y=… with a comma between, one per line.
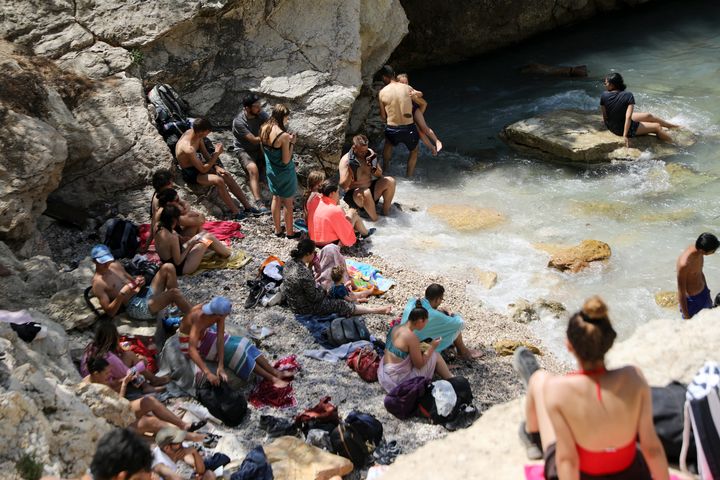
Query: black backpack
x=347, y=441
x=224, y=403
x=669, y=419
x=171, y=111
x=428, y=409
x=121, y=237
x=368, y=426
x=345, y=330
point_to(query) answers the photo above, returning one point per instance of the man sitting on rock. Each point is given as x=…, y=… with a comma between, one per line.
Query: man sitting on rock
x=246, y=128
x=198, y=166
x=396, y=110
x=115, y=288
x=441, y=323
x=362, y=179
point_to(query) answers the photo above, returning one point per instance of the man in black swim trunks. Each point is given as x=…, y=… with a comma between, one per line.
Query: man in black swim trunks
x=396, y=110
x=362, y=179
x=198, y=166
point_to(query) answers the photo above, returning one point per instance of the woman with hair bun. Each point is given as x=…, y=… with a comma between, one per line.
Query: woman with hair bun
x=618, y=105
x=586, y=424
x=404, y=358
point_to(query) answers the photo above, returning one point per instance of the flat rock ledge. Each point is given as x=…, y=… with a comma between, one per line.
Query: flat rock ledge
x=580, y=137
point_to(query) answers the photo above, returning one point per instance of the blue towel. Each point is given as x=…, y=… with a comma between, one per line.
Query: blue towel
x=438, y=325
x=317, y=325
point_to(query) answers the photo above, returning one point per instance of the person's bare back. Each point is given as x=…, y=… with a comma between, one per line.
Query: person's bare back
x=690, y=277
x=397, y=103
x=187, y=149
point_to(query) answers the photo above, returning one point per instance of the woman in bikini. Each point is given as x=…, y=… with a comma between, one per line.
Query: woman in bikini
x=588, y=422
x=404, y=357
x=170, y=248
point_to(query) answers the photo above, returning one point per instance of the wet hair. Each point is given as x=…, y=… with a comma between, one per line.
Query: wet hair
x=328, y=187
x=161, y=178
x=250, y=99
x=304, y=247
x=277, y=117
x=418, y=312
x=337, y=273
x=360, y=140
x=120, y=450
x=402, y=76
x=96, y=364
x=167, y=196
x=202, y=125
x=387, y=71
x=590, y=332
x=106, y=339
x=434, y=291
x=616, y=80
x=707, y=242
x=169, y=215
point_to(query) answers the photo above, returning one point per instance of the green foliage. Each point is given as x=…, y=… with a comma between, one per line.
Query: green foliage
x=29, y=468
x=136, y=56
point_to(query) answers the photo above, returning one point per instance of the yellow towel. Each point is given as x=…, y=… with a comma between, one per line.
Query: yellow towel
x=236, y=260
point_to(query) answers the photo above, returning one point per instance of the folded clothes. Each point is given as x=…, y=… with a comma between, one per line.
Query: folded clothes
x=237, y=259
x=336, y=354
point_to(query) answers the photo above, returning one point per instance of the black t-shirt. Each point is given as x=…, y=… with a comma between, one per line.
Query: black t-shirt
x=616, y=103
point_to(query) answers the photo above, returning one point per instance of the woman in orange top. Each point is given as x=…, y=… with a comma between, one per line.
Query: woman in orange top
x=326, y=219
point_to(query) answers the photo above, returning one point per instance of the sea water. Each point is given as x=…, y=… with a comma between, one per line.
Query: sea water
x=648, y=211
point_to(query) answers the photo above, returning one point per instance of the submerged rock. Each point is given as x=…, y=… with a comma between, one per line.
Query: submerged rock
x=523, y=311
x=578, y=257
x=486, y=278
x=467, y=218
x=580, y=137
x=667, y=299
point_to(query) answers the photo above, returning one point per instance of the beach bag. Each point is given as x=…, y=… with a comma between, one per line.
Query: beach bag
x=428, y=406
x=669, y=419
x=702, y=419
x=346, y=330
x=227, y=405
x=368, y=426
x=347, y=441
x=365, y=361
x=323, y=416
x=122, y=237
x=403, y=400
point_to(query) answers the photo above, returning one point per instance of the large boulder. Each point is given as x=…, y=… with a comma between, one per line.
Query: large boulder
x=580, y=137
x=105, y=403
x=577, y=257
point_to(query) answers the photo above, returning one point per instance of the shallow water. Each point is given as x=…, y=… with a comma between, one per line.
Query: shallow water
x=647, y=211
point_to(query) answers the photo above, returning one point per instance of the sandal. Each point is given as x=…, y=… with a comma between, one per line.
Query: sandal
x=294, y=235
x=211, y=440
x=197, y=426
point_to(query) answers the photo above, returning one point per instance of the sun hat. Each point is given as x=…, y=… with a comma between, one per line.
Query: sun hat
x=217, y=306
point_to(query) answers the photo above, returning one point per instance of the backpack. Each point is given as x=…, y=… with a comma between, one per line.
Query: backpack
x=224, y=403
x=345, y=330
x=368, y=426
x=170, y=109
x=121, y=236
x=403, y=400
x=365, y=361
x=702, y=418
x=143, y=267
x=347, y=441
x=463, y=398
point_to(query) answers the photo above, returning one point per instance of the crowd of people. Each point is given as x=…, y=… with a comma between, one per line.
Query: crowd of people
x=593, y=435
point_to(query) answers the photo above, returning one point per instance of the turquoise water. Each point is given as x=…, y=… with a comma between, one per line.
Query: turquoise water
x=647, y=211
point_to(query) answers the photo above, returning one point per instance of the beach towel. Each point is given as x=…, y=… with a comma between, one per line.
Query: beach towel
x=390, y=375
x=265, y=394
x=336, y=354
x=317, y=325
x=537, y=472
x=439, y=324
x=366, y=276
x=223, y=231
x=236, y=260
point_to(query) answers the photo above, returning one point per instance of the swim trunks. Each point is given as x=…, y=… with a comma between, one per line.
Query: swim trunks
x=348, y=197
x=632, y=131
x=405, y=134
x=699, y=301
x=190, y=175
x=638, y=470
x=138, y=307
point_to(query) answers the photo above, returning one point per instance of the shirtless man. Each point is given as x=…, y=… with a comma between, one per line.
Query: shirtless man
x=115, y=288
x=196, y=342
x=198, y=166
x=693, y=292
x=427, y=135
x=363, y=181
x=396, y=110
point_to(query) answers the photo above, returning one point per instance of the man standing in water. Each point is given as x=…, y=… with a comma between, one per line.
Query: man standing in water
x=396, y=110
x=693, y=292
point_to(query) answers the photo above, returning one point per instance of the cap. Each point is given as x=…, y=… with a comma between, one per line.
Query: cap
x=169, y=435
x=217, y=306
x=101, y=254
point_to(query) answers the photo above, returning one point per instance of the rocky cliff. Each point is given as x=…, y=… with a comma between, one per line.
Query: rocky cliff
x=447, y=32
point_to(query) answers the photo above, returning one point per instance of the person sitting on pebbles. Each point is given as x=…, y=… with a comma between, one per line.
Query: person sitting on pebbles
x=202, y=337
x=170, y=450
x=442, y=323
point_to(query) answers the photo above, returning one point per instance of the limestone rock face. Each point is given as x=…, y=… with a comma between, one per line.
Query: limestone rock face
x=472, y=27
x=578, y=257
x=105, y=403
x=580, y=137
x=467, y=218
